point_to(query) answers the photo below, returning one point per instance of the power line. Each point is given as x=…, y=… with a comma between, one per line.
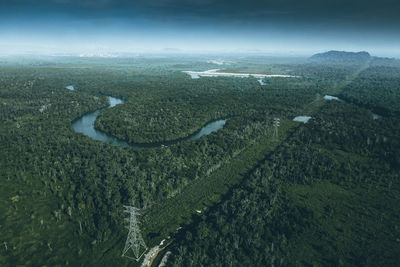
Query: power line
x=276, y=125
x=134, y=241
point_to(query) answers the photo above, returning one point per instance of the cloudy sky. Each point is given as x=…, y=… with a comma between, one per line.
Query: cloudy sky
x=135, y=26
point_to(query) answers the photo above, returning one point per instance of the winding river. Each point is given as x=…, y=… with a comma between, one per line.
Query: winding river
x=85, y=125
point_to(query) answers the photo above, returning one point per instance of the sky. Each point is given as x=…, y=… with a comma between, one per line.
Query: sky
x=284, y=27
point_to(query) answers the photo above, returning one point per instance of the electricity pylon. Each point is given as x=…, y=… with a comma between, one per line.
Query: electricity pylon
x=276, y=124
x=134, y=241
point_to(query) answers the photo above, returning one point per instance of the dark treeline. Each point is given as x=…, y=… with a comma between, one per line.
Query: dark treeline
x=327, y=197
x=62, y=193
x=53, y=178
x=184, y=105
x=377, y=88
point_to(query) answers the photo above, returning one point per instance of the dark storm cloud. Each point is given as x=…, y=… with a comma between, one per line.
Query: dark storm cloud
x=384, y=11
x=245, y=23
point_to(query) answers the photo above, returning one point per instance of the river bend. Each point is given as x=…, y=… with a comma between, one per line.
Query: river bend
x=85, y=125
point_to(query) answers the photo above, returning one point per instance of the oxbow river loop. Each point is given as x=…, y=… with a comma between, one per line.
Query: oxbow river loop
x=85, y=125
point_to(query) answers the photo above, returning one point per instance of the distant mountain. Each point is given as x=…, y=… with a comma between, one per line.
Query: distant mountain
x=341, y=57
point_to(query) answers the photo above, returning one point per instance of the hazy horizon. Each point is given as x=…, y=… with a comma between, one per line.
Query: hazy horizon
x=88, y=27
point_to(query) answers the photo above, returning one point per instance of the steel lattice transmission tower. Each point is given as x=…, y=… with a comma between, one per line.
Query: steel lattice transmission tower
x=276, y=125
x=134, y=241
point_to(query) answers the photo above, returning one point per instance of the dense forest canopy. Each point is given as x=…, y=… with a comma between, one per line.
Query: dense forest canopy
x=320, y=193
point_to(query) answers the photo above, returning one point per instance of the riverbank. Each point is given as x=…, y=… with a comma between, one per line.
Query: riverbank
x=86, y=125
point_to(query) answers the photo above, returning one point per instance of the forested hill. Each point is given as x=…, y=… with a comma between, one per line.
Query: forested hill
x=341, y=57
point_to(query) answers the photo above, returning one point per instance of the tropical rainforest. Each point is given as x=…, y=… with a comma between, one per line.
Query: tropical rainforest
x=264, y=190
